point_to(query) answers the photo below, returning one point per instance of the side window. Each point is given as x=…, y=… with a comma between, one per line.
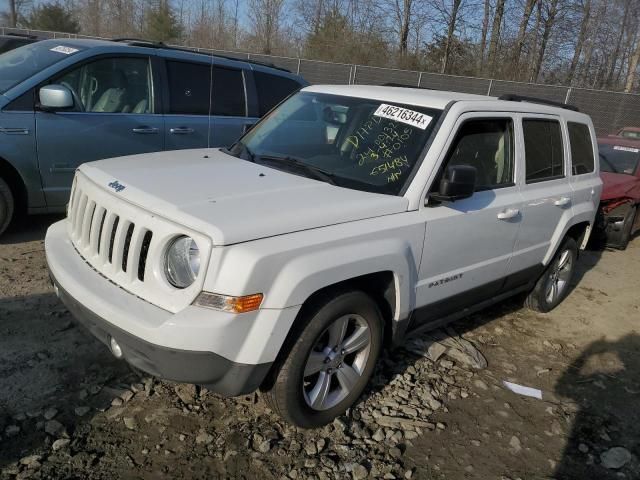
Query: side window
x=487, y=145
x=111, y=85
x=581, y=148
x=543, y=149
x=272, y=89
x=228, y=93
x=189, y=88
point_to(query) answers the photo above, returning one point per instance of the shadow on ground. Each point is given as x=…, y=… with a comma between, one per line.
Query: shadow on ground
x=604, y=387
x=28, y=229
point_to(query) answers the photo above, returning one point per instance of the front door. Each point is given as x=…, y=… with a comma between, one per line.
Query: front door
x=113, y=116
x=468, y=243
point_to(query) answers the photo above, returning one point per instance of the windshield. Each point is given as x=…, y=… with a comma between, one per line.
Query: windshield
x=633, y=134
x=619, y=159
x=352, y=142
x=18, y=65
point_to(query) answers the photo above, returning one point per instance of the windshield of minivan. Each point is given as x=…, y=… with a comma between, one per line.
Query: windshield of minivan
x=352, y=142
x=618, y=159
x=18, y=65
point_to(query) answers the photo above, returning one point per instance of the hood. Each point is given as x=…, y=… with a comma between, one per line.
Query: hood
x=233, y=200
x=617, y=185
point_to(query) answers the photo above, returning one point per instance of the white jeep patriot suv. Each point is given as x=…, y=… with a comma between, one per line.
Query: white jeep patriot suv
x=349, y=218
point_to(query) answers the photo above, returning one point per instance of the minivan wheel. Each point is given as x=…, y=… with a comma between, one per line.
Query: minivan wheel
x=554, y=284
x=331, y=361
x=7, y=206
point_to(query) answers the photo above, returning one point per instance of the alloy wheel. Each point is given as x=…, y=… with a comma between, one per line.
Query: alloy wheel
x=559, y=277
x=336, y=362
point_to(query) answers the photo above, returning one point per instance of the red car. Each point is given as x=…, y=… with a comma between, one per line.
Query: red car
x=620, y=172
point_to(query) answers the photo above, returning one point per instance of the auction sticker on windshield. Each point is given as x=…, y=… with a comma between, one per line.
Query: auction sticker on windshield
x=63, y=49
x=404, y=115
x=626, y=149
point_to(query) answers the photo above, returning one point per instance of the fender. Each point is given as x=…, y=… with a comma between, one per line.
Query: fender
x=295, y=266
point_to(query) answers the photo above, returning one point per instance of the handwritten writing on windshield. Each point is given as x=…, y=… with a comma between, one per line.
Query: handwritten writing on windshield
x=380, y=145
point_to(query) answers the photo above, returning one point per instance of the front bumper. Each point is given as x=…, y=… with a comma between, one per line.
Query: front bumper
x=228, y=353
x=203, y=368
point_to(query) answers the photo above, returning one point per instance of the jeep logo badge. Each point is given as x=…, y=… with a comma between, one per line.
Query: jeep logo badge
x=117, y=186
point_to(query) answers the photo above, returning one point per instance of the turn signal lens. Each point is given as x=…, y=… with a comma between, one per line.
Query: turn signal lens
x=247, y=303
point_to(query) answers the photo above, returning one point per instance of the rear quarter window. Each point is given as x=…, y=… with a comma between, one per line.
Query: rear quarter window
x=543, y=149
x=581, y=148
x=272, y=89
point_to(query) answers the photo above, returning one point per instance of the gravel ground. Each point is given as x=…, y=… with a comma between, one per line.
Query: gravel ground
x=434, y=410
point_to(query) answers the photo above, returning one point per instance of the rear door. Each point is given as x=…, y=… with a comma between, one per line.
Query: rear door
x=187, y=120
x=469, y=242
x=206, y=105
x=546, y=194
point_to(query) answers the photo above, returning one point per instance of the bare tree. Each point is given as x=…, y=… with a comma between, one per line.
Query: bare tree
x=584, y=25
x=551, y=8
x=632, y=73
x=522, y=30
x=451, y=27
x=265, y=17
x=613, y=57
x=483, y=36
x=495, y=35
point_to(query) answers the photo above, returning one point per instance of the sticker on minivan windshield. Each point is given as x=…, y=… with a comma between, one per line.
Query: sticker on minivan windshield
x=626, y=149
x=404, y=115
x=63, y=49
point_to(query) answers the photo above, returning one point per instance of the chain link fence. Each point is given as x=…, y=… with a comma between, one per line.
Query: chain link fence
x=610, y=111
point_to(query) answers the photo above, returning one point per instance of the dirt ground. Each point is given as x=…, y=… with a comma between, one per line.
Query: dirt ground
x=68, y=409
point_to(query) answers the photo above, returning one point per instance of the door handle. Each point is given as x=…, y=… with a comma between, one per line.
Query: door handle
x=14, y=130
x=181, y=130
x=145, y=130
x=562, y=202
x=508, y=213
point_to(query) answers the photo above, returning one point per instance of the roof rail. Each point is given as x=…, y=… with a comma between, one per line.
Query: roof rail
x=402, y=85
x=20, y=35
x=509, y=97
x=141, y=42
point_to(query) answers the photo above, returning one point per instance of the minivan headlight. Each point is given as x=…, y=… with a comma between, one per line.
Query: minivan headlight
x=182, y=262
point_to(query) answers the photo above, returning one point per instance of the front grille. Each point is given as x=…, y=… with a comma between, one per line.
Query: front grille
x=126, y=243
x=101, y=233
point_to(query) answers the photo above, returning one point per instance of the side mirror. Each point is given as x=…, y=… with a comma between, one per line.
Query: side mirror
x=458, y=182
x=55, y=97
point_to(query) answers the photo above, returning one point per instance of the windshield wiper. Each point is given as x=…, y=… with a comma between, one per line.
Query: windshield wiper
x=244, y=154
x=316, y=172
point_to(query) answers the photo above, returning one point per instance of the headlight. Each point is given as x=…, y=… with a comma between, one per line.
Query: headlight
x=182, y=262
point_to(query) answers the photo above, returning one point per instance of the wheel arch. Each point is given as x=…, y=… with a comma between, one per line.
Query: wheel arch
x=380, y=286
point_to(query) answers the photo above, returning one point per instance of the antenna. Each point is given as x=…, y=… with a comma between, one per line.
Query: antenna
x=210, y=84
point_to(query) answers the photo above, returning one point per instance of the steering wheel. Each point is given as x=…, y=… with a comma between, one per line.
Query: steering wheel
x=74, y=94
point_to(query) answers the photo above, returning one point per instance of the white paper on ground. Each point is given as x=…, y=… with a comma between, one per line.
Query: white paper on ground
x=522, y=390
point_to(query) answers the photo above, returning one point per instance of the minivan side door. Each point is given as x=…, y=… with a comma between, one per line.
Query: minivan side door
x=545, y=189
x=469, y=242
x=205, y=105
x=114, y=115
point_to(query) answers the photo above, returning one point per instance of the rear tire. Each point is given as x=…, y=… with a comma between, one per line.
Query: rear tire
x=334, y=353
x=555, y=283
x=7, y=206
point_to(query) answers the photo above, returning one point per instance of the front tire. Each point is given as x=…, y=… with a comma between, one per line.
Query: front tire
x=555, y=283
x=337, y=345
x=620, y=240
x=7, y=206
